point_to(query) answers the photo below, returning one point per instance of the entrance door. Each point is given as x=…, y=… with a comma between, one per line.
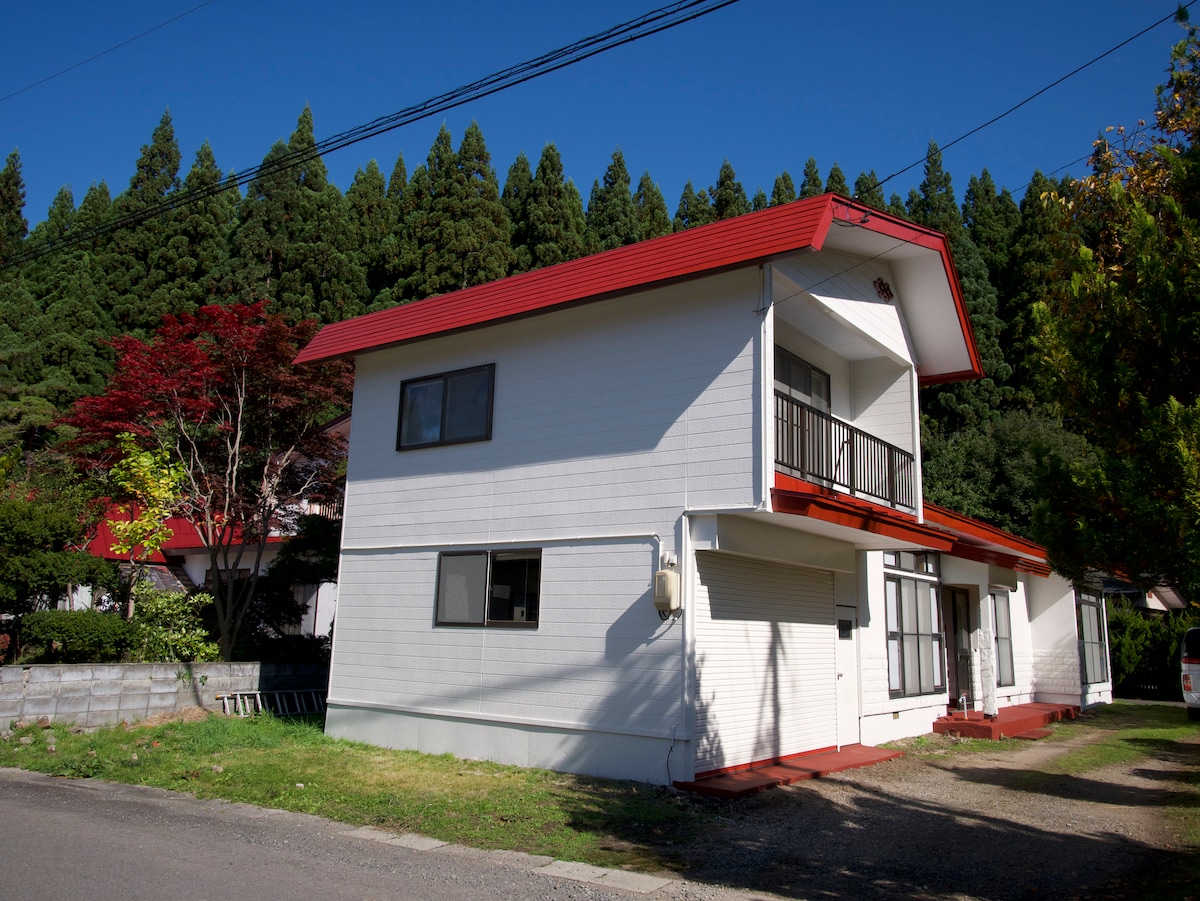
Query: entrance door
x=846, y=660
x=957, y=605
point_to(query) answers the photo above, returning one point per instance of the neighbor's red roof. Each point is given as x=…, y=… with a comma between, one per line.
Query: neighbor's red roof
x=741, y=241
x=184, y=538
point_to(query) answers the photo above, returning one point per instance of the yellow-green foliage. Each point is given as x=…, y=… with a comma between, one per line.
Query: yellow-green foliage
x=169, y=626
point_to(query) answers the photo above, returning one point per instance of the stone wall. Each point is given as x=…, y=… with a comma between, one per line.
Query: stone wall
x=103, y=694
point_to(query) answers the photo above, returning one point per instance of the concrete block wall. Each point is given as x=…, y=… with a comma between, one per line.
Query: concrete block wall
x=104, y=694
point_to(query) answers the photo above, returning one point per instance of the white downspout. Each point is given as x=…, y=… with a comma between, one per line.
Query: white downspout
x=764, y=476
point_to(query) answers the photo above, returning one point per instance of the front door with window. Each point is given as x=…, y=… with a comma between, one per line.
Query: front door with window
x=957, y=604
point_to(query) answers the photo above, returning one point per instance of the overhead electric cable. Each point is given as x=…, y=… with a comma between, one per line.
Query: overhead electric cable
x=650, y=23
x=96, y=56
x=1036, y=94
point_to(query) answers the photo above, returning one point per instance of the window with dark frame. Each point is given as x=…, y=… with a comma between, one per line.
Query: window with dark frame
x=916, y=655
x=1093, y=652
x=450, y=408
x=489, y=588
x=801, y=380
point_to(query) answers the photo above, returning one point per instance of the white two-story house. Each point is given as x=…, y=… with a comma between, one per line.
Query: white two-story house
x=657, y=513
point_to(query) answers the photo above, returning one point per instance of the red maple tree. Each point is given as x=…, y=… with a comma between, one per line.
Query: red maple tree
x=218, y=391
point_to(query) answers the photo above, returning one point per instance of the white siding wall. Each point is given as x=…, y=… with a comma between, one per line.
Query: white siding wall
x=599, y=659
x=1055, y=652
x=765, y=671
x=883, y=402
x=609, y=420
x=608, y=417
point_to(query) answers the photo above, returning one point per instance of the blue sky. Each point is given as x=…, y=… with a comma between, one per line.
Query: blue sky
x=762, y=83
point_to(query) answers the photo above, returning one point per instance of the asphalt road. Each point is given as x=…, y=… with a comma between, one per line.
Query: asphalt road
x=86, y=839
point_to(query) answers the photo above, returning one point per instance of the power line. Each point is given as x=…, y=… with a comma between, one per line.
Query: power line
x=30, y=87
x=1036, y=94
x=643, y=26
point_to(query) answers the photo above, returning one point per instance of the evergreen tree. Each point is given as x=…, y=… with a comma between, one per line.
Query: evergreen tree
x=294, y=238
x=13, y=225
x=463, y=233
x=868, y=190
x=784, y=190
x=70, y=356
x=811, y=185
x=729, y=197
x=759, y=201
x=991, y=218
x=611, y=217
x=24, y=414
x=515, y=198
x=382, y=285
x=653, y=218
x=963, y=404
x=190, y=264
x=694, y=209
x=992, y=472
x=836, y=183
x=896, y=207
x=397, y=183
x=415, y=212
x=1027, y=281
x=373, y=220
x=131, y=271
x=556, y=223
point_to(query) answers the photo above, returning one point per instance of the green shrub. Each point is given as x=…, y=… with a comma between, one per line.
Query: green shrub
x=1145, y=650
x=169, y=626
x=83, y=636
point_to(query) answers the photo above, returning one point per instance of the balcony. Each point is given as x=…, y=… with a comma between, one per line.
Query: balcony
x=812, y=445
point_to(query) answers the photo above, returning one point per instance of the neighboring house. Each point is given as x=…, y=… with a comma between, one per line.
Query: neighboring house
x=657, y=512
x=184, y=564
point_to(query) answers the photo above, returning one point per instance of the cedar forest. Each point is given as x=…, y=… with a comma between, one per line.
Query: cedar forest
x=1084, y=435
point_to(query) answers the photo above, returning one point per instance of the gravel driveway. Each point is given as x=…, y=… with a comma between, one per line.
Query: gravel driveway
x=987, y=825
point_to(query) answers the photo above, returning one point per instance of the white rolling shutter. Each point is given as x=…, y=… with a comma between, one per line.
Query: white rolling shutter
x=765, y=661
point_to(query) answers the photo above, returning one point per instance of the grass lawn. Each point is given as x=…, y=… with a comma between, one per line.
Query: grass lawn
x=290, y=764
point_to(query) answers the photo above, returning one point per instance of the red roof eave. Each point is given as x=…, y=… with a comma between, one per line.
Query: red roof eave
x=975, y=540
x=795, y=496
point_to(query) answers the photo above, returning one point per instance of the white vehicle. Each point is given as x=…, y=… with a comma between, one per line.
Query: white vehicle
x=1190, y=664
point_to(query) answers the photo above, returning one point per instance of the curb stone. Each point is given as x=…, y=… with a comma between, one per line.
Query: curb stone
x=639, y=883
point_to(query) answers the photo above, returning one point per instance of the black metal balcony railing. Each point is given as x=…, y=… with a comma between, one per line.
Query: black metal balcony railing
x=814, y=446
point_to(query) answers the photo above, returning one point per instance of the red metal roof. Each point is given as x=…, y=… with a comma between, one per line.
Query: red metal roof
x=741, y=241
x=184, y=538
x=977, y=540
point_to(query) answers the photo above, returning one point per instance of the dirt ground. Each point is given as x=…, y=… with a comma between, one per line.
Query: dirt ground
x=986, y=825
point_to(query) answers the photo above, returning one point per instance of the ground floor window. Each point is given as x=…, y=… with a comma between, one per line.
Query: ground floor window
x=1093, y=647
x=492, y=588
x=916, y=646
x=1002, y=607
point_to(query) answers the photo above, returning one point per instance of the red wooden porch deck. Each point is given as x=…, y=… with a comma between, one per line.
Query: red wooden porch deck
x=1018, y=721
x=787, y=771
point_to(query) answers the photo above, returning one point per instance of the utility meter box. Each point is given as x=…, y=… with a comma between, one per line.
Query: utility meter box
x=666, y=591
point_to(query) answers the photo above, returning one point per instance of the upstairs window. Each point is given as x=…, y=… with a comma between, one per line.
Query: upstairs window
x=800, y=380
x=451, y=408
x=489, y=588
